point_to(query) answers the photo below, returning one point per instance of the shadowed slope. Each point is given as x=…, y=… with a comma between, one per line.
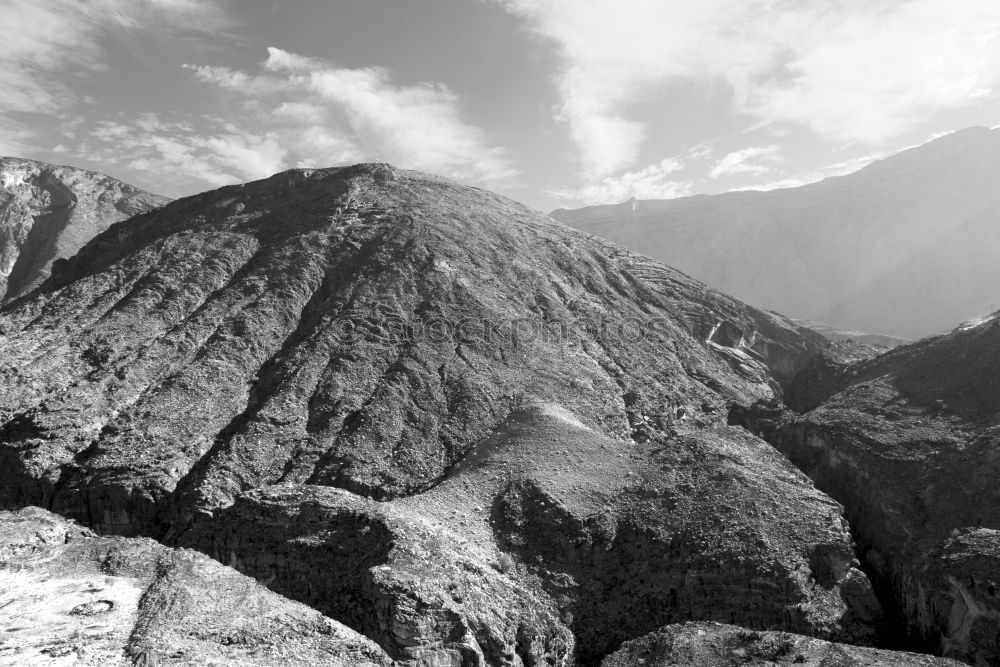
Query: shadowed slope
x=908, y=442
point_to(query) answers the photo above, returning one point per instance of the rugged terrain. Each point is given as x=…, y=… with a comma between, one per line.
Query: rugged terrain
x=719, y=645
x=465, y=430
x=905, y=247
x=550, y=536
x=69, y=597
x=908, y=442
x=48, y=213
x=360, y=328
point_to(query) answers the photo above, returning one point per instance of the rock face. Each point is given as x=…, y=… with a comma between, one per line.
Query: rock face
x=906, y=246
x=719, y=645
x=549, y=537
x=68, y=596
x=908, y=442
x=48, y=213
x=469, y=432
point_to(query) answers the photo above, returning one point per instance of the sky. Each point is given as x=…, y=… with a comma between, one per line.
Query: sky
x=556, y=103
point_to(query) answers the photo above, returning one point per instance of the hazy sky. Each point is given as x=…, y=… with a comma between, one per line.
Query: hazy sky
x=554, y=102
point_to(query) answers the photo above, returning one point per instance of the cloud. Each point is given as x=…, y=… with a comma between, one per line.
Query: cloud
x=651, y=182
x=841, y=168
x=328, y=115
x=182, y=153
x=852, y=71
x=45, y=45
x=754, y=160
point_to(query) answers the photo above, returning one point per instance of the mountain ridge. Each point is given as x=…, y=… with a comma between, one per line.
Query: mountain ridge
x=816, y=251
x=48, y=212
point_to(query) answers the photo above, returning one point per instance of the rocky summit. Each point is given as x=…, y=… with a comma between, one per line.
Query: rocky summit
x=48, y=213
x=455, y=426
x=908, y=442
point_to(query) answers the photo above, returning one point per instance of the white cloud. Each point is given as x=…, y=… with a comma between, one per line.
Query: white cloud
x=854, y=71
x=44, y=44
x=328, y=115
x=179, y=153
x=837, y=169
x=651, y=182
x=754, y=160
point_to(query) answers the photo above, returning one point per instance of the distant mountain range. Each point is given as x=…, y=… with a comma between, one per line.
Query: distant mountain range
x=905, y=247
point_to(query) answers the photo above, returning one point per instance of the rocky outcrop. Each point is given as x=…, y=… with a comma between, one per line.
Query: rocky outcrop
x=906, y=246
x=47, y=213
x=551, y=542
x=68, y=596
x=907, y=441
x=719, y=645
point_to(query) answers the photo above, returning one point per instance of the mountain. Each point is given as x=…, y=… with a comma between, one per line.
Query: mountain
x=48, y=213
x=905, y=247
x=468, y=432
x=908, y=442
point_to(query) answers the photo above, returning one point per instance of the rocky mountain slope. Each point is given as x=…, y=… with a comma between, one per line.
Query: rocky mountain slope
x=905, y=247
x=908, y=442
x=467, y=431
x=719, y=645
x=69, y=597
x=48, y=213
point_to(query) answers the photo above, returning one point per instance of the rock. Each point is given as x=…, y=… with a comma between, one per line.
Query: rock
x=908, y=442
x=48, y=213
x=551, y=542
x=905, y=247
x=69, y=596
x=335, y=327
x=719, y=645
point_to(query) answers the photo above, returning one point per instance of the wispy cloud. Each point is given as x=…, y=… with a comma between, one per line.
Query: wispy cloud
x=849, y=70
x=755, y=160
x=180, y=154
x=328, y=115
x=655, y=181
x=44, y=44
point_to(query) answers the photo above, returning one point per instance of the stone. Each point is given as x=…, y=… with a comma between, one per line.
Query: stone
x=721, y=645
x=66, y=593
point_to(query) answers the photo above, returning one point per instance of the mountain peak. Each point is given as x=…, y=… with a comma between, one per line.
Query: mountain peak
x=48, y=212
